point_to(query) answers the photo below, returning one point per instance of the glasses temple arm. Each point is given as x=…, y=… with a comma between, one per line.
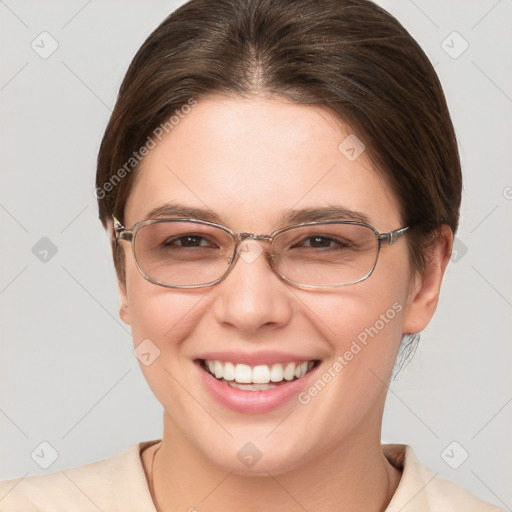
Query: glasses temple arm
x=393, y=236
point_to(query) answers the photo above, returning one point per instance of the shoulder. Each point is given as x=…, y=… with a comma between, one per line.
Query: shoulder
x=112, y=484
x=421, y=490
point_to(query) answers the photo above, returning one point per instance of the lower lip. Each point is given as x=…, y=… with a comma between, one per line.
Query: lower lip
x=253, y=402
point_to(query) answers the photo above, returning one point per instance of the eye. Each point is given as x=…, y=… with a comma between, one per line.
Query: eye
x=189, y=240
x=323, y=242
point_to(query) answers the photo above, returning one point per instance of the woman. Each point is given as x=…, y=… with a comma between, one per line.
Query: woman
x=281, y=184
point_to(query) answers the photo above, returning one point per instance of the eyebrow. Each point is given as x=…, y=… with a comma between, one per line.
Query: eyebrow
x=286, y=218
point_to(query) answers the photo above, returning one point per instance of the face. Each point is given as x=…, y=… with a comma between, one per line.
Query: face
x=250, y=161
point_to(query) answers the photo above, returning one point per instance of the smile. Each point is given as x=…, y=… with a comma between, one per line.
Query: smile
x=255, y=382
x=256, y=378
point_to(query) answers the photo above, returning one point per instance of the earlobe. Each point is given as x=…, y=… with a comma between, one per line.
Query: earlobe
x=424, y=295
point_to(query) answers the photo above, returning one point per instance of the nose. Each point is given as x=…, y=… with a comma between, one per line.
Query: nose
x=252, y=297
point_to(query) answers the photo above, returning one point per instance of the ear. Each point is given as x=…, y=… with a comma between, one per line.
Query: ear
x=424, y=295
x=124, y=312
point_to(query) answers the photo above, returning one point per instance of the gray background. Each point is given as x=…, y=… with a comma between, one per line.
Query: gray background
x=68, y=374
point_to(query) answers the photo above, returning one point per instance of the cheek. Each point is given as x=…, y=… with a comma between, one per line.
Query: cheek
x=364, y=329
x=155, y=311
x=363, y=325
x=376, y=304
x=161, y=320
x=159, y=313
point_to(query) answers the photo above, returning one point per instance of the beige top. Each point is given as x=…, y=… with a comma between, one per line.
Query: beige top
x=119, y=484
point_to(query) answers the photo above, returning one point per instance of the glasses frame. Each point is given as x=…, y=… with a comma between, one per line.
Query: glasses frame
x=129, y=235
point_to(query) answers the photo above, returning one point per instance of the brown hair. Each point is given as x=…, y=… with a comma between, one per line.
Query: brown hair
x=350, y=57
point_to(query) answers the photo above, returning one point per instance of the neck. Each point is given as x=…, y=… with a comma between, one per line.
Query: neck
x=354, y=475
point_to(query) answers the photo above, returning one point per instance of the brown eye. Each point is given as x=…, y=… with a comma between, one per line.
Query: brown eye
x=189, y=241
x=321, y=242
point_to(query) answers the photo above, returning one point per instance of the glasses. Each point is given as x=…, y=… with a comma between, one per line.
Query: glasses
x=192, y=253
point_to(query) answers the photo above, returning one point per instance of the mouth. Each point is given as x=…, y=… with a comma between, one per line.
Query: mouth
x=261, y=377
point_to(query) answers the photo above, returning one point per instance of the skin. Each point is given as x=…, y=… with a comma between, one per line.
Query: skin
x=232, y=155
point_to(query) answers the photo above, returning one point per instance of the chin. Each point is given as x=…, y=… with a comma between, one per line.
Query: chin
x=259, y=457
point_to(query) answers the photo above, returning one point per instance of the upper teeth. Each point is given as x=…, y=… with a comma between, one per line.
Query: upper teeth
x=261, y=374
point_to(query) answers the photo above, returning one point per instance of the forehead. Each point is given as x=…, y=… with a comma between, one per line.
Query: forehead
x=250, y=161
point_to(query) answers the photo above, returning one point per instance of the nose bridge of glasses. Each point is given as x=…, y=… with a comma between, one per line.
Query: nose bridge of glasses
x=240, y=238
x=253, y=236
x=250, y=252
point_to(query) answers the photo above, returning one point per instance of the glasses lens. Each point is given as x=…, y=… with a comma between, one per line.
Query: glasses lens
x=325, y=254
x=182, y=253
